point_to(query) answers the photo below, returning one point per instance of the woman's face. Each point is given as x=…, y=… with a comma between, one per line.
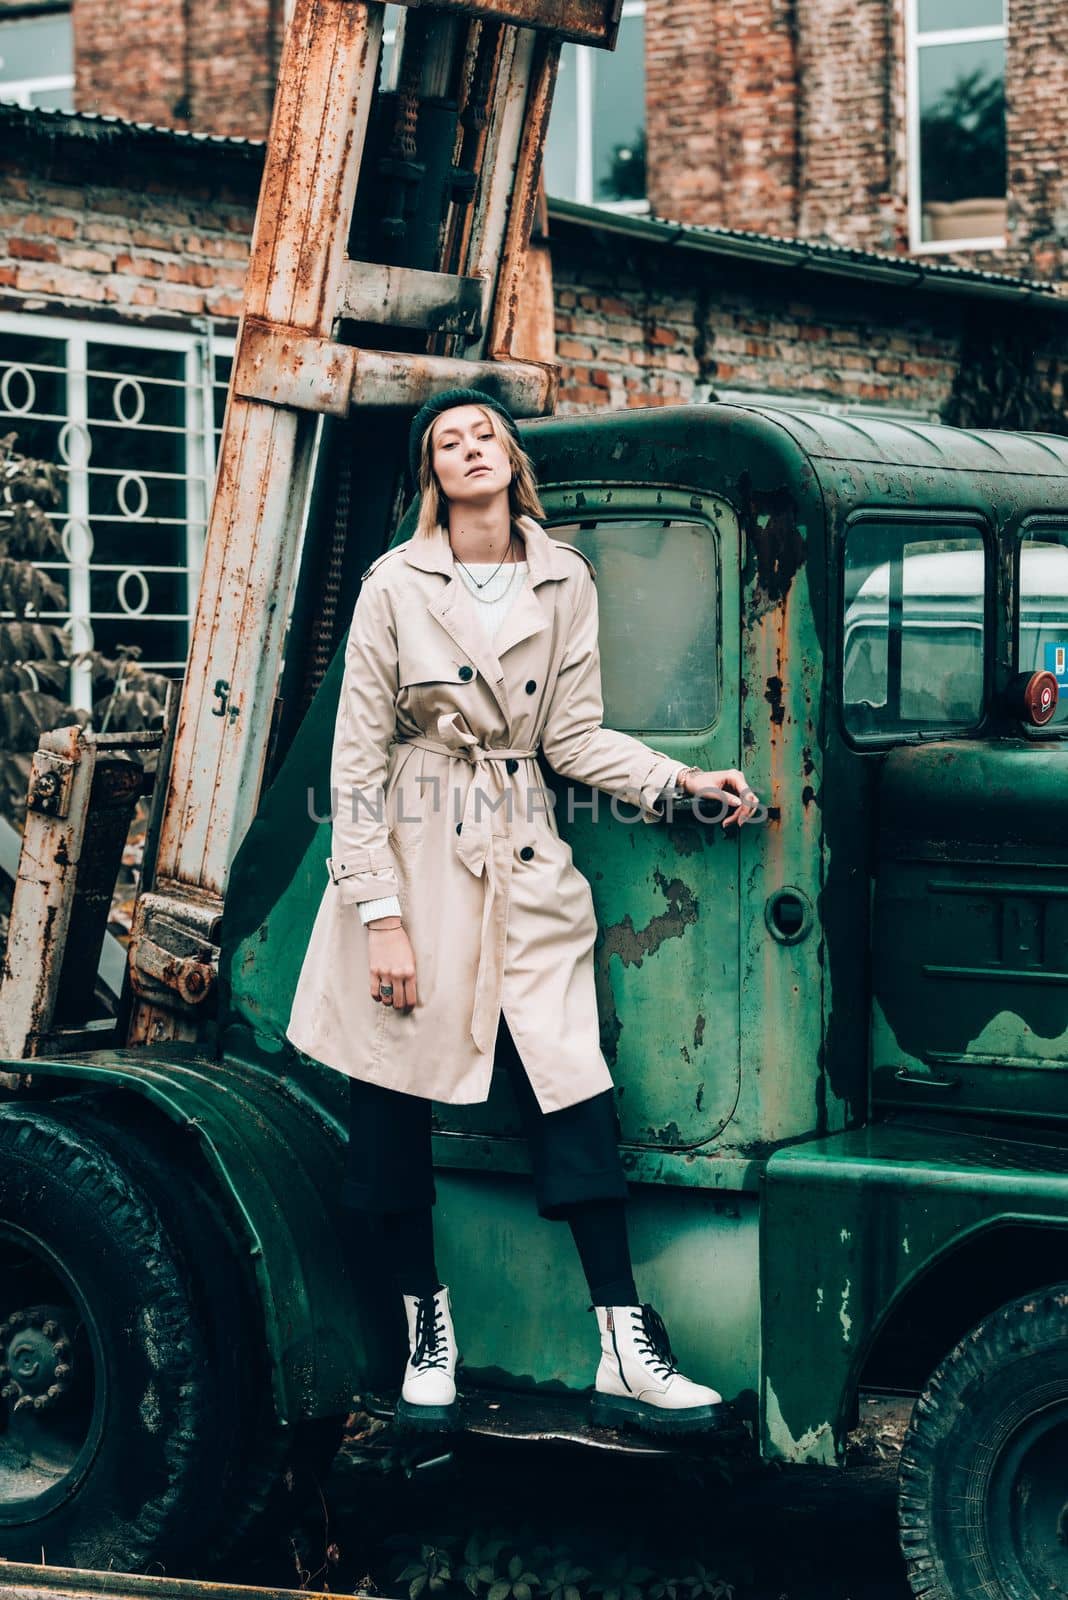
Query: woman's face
x=472, y=466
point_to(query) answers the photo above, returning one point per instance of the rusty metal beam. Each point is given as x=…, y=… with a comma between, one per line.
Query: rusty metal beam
x=285, y=368
x=61, y=780
x=401, y=297
x=326, y=85
x=586, y=21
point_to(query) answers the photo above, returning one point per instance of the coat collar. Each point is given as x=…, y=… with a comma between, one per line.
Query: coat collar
x=455, y=608
x=434, y=554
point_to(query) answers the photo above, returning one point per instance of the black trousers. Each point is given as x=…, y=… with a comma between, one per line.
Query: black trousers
x=574, y=1152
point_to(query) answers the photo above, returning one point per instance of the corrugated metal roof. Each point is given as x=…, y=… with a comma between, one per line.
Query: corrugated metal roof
x=840, y=261
x=90, y=124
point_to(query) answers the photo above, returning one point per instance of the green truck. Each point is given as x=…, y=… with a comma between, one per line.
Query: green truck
x=840, y=1039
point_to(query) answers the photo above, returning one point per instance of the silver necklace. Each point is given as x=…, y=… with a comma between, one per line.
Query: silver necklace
x=497, y=568
x=486, y=600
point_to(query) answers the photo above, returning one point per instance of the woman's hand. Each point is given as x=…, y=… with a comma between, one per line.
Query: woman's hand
x=733, y=789
x=392, y=963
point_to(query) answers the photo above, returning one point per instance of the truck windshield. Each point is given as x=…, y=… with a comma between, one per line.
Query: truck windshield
x=913, y=629
x=1043, y=610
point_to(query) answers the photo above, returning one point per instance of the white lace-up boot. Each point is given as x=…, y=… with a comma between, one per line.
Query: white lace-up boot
x=639, y=1383
x=428, y=1394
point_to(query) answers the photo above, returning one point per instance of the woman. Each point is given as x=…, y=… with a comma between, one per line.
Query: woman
x=473, y=645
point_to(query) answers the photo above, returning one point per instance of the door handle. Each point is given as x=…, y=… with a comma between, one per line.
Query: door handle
x=924, y=1080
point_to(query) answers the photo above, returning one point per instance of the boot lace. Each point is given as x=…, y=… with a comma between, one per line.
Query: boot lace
x=651, y=1338
x=431, y=1348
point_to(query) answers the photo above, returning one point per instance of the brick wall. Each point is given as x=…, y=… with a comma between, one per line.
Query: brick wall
x=790, y=118
x=722, y=119
x=650, y=331
x=144, y=240
x=847, y=114
x=1037, y=129
x=179, y=63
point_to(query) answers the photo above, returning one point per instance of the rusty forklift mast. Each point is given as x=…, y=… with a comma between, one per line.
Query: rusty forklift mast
x=326, y=331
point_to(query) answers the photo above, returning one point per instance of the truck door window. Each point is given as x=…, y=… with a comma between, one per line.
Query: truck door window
x=657, y=591
x=1043, y=609
x=913, y=628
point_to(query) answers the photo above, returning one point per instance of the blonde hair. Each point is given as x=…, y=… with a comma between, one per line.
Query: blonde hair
x=522, y=494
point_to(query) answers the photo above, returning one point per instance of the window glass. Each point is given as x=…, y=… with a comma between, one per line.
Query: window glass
x=913, y=629
x=391, y=23
x=657, y=588
x=37, y=61
x=561, y=146
x=1044, y=610
x=595, y=151
x=933, y=16
x=962, y=174
x=619, y=115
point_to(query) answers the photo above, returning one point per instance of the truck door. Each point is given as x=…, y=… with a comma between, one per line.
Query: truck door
x=666, y=894
x=970, y=910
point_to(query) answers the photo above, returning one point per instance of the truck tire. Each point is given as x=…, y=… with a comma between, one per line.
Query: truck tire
x=266, y=1472
x=983, y=1491
x=111, y=1457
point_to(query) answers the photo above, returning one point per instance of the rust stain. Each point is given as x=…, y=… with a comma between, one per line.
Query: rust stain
x=631, y=945
x=769, y=522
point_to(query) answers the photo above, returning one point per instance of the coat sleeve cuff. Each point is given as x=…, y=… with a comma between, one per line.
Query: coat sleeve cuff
x=651, y=777
x=363, y=875
x=371, y=910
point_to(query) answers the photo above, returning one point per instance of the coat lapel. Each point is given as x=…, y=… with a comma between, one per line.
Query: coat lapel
x=454, y=607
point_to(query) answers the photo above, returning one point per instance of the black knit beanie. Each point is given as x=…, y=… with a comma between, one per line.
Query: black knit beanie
x=445, y=402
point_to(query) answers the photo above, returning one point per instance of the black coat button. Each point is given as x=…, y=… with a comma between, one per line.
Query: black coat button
x=527, y=853
x=511, y=765
x=466, y=673
x=531, y=686
x=459, y=827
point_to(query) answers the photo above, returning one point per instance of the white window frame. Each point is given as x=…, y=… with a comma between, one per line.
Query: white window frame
x=21, y=90
x=915, y=41
x=200, y=346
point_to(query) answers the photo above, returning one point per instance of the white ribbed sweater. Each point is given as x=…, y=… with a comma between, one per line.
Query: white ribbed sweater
x=493, y=604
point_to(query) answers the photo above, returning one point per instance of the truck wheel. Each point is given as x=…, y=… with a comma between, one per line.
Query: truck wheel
x=264, y=1473
x=983, y=1482
x=110, y=1415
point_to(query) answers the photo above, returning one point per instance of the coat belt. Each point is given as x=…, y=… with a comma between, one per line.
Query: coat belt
x=474, y=849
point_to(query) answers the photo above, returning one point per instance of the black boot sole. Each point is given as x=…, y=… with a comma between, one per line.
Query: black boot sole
x=427, y=1419
x=616, y=1411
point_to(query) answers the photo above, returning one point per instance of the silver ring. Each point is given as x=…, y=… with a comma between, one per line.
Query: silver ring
x=385, y=988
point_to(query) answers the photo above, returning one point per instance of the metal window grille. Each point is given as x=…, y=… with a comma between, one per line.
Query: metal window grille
x=132, y=417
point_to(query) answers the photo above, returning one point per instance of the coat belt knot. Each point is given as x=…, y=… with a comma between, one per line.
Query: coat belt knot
x=474, y=847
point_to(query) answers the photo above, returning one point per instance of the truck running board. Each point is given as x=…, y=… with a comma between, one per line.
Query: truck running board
x=533, y=1417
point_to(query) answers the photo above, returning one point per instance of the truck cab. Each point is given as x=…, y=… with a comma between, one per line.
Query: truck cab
x=839, y=1040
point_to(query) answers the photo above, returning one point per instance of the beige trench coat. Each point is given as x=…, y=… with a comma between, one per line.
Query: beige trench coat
x=440, y=799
